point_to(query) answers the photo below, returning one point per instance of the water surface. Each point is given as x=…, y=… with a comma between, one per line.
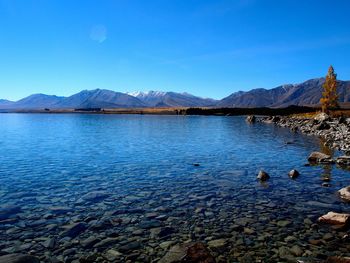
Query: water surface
x=130, y=179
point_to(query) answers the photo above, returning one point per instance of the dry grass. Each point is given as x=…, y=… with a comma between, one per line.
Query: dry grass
x=334, y=114
x=158, y=111
x=308, y=115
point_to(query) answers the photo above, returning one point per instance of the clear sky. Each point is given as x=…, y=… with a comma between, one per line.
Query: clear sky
x=207, y=48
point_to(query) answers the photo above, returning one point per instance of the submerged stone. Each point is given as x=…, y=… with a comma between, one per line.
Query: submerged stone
x=130, y=246
x=8, y=211
x=59, y=210
x=217, y=243
x=74, y=229
x=198, y=253
x=103, y=243
x=94, y=196
x=149, y=224
x=49, y=243
x=187, y=253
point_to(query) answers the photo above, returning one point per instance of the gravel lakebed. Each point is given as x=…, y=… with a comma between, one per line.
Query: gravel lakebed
x=205, y=218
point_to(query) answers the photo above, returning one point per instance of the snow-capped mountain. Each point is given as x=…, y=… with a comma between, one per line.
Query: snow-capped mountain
x=143, y=94
x=171, y=99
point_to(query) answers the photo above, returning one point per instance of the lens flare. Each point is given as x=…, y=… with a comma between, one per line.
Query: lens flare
x=98, y=33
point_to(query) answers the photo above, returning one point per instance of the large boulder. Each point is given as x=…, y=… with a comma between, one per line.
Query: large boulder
x=333, y=218
x=345, y=193
x=18, y=258
x=318, y=157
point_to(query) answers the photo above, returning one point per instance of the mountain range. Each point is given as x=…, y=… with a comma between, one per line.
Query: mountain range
x=307, y=93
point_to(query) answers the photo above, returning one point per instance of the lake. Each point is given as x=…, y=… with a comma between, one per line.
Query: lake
x=130, y=187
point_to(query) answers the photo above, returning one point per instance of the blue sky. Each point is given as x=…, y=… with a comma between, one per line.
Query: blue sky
x=208, y=48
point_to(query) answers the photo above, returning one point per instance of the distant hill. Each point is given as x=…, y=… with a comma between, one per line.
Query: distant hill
x=99, y=98
x=36, y=101
x=5, y=103
x=304, y=94
x=172, y=99
x=85, y=99
x=307, y=93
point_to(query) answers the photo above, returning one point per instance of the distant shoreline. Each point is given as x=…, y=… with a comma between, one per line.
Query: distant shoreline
x=175, y=111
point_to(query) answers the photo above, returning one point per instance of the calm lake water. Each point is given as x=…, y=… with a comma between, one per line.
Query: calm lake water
x=125, y=188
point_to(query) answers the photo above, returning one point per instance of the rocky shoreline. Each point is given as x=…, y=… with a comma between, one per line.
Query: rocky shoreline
x=335, y=131
x=336, y=135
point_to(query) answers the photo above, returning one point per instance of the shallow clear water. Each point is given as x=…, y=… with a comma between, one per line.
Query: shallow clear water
x=140, y=170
